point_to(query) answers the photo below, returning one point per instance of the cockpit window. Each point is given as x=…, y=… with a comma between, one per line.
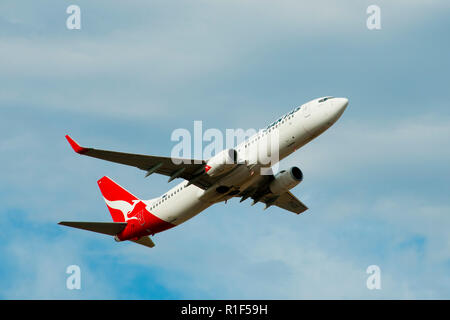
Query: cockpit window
x=325, y=99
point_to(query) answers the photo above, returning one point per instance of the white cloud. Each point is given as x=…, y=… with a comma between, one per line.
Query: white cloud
x=38, y=266
x=275, y=262
x=138, y=70
x=353, y=146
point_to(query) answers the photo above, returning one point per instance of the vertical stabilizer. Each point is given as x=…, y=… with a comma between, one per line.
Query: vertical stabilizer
x=119, y=201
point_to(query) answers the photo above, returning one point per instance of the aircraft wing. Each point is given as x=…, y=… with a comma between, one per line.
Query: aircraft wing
x=188, y=169
x=260, y=192
x=286, y=201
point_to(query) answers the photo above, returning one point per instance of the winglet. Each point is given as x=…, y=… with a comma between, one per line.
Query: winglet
x=75, y=146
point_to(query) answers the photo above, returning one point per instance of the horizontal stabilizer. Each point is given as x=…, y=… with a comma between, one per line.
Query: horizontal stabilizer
x=110, y=228
x=145, y=241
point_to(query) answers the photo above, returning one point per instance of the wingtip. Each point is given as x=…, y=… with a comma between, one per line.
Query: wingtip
x=75, y=146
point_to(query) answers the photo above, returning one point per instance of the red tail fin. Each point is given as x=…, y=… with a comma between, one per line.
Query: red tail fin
x=119, y=201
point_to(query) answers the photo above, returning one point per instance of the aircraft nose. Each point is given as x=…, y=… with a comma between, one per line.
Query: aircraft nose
x=340, y=104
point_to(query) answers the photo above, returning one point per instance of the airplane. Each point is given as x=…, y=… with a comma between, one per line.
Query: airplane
x=228, y=174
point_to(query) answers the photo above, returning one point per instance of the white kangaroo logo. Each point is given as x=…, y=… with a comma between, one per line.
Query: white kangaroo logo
x=123, y=206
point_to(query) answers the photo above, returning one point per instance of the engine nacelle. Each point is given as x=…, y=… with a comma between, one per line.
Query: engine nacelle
x=286, y=180
x=221, y=163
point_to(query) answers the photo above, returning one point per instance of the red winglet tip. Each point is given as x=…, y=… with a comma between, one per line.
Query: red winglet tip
x=75, y=146
x=104, y=178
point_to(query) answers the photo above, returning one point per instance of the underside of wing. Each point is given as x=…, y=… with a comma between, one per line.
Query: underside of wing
x=145, y=241
x=260, y=192
x=188, y=169
x=109, y=228
x=286, y=201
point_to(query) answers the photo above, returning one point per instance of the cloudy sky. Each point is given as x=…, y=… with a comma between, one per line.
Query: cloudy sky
x=376, y=183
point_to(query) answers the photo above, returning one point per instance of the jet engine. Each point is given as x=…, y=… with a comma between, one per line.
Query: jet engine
x=221, y=163
x=286, y=180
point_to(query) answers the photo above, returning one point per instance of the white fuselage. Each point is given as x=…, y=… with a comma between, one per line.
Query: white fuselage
x=292, y=131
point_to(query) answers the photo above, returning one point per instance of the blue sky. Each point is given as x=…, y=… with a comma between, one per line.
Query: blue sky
x=376, y=183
